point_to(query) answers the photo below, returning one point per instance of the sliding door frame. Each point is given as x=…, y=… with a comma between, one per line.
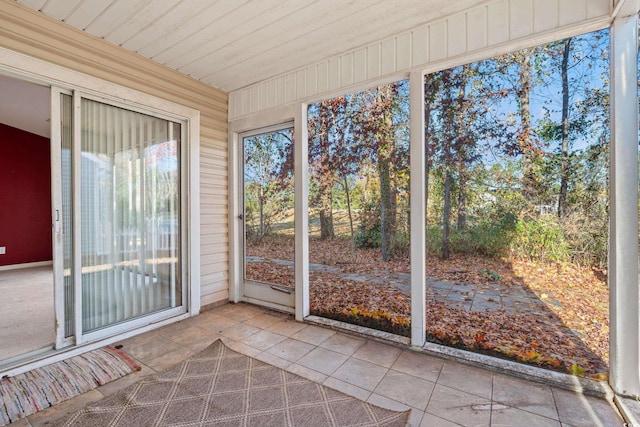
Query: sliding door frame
x=66, y=81
x=144, y=319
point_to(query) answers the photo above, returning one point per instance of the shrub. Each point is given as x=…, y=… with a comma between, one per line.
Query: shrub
x=541, y=238
x=368, y=236
x=587, y=236
x=489, y=236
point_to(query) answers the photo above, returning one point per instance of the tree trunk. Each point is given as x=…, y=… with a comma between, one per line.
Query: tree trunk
x=564, y=162
x=461, y=148
x=386, y=240
x=447, y=162
x=526, y=144
x=446, y=214
x=261, y=221
x=261, y=203
x=346, y=191
x=462, y=196
x=326, y=214
x=385, y=171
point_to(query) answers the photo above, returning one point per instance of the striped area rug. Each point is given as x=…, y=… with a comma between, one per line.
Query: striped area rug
x=38, y=389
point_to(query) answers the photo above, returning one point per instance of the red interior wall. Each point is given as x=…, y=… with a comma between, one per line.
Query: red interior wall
x=25, y=197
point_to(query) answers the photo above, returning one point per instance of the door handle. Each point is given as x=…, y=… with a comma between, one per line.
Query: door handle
x=57, y=221
x=281, y=289
x=240, y=216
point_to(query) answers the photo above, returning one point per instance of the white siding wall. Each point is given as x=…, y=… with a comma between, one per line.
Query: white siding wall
x=493, y=28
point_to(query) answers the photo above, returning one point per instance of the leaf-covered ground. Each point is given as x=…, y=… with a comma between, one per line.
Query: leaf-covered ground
x=565, y=329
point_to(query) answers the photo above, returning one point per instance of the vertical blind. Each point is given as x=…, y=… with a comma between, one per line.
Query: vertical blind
x=130, y=214
x=66, y=105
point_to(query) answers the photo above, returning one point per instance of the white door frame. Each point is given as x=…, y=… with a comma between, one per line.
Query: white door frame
x=269, y=295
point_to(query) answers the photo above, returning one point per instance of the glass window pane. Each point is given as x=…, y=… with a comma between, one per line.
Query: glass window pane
x=269, y=208
x=517, y=205
x=130, y=212
x=359, y=264
x=66, y=115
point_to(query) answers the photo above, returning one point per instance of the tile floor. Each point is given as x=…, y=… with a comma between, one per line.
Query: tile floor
x=441, y=393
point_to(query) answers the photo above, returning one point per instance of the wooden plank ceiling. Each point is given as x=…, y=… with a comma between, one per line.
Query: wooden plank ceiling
x=230, y=44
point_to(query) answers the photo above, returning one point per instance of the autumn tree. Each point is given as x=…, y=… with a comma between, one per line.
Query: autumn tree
x=377, y=122
x=267, y=180
x=335, y=155
x=564, y=150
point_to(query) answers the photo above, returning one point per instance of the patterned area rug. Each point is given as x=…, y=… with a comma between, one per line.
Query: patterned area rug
x=38, y=389
x=221, y=387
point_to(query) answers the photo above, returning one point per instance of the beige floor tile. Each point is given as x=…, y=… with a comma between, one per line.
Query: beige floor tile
x=313, y=334
x=117, y=385
x=264, y=320
x=169, y=359
x=323, y=360
x=380, y=354
x=152, y=349
x=239, y=312
x=419, y=365
x=385, y=402
x=466, y=378
x=273, y=360
x=291, y=350
x=242, y=348
x=360, y=373
x=263, y=340
x=415, y=418
x=430, y=420
x=307, y=373
x=137, y=339
x=346, y=388
x=342, y=343
x=286, y=327
x=199, y=345
x=502, y=416
x=525, y=395
x=192, y=336
x=43, y=418
x=217, y=324
x=406, y=389
x=173, y=329
x=459, y=407
x=579, y=410
x=240, y=332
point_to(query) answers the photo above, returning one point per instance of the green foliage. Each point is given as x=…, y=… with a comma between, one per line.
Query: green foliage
x=368, y=232
x=490, y=235
x=577, y=370
x=541, y=239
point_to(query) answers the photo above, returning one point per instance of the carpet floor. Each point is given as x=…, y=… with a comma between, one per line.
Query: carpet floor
x=40, y=388
x=221, y=387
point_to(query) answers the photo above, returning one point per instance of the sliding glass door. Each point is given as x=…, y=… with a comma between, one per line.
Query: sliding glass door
x=129, y=215
x=119, y=208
